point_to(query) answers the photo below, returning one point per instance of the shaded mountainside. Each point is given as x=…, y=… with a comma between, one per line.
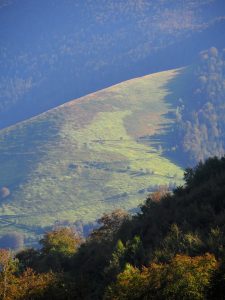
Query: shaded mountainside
x=52, y=51
x=89, y=156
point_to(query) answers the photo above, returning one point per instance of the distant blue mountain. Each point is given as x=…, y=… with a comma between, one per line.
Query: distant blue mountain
x=53, y=51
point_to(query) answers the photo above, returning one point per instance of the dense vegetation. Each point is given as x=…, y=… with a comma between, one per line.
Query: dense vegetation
x=172, y=249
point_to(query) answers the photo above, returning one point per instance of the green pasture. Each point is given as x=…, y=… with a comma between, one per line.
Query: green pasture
x=88, y=156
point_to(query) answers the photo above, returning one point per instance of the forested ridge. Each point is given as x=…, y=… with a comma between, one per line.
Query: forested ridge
x=173, y=248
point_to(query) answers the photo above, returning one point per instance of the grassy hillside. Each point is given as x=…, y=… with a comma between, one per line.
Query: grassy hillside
x=89, y=156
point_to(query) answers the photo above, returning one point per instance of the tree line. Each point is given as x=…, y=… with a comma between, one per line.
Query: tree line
x=200, y=122
x=173, y=248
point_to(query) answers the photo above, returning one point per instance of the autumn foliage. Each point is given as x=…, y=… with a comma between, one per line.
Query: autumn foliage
x=184, y=277
x=172, y=249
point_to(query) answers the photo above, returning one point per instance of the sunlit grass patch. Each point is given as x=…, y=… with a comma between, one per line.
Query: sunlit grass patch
x=87, y=157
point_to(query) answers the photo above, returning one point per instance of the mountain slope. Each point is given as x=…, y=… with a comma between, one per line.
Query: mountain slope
x=91, y=155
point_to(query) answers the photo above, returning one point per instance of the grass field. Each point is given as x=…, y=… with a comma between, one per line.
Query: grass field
x=89, y=156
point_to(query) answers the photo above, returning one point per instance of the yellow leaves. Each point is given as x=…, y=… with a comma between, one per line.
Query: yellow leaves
x=30, y=284
x=27, y=285
x=24, y=286
x=62, y=240
x=184, y=278
x=188, y=276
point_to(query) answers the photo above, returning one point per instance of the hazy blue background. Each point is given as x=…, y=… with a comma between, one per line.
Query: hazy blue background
x=52, y=51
